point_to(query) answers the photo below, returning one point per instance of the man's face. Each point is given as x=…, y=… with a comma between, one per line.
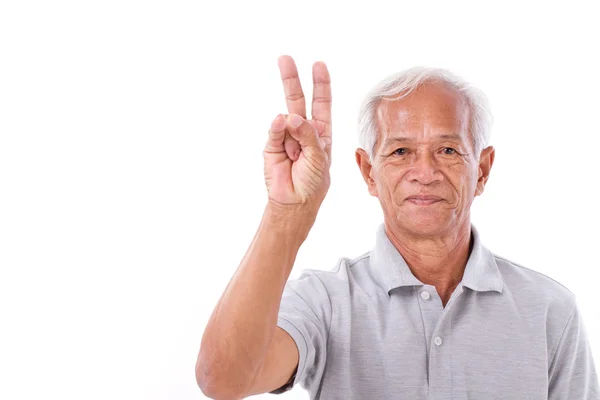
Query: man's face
x=425, y=148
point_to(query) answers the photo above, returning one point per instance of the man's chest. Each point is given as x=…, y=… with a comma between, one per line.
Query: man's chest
x=426, y=351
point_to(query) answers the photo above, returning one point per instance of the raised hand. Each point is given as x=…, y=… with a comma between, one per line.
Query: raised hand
x=297, y=155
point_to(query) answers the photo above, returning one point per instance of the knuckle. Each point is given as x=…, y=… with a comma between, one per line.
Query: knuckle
x=294, y=96
x=321, y=99
x=276, y=134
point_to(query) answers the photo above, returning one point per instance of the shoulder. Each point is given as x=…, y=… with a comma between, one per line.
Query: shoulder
x=532, y=290
x=530, y=278
x=348, y=276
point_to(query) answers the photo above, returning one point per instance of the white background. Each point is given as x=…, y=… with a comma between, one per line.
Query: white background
x=131, y=177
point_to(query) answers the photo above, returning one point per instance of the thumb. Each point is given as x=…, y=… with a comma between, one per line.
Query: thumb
x=303, y=132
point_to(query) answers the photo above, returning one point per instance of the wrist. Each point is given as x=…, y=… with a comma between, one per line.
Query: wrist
x=291, y=220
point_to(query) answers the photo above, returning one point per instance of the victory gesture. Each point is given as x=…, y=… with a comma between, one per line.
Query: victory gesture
x=297, y=155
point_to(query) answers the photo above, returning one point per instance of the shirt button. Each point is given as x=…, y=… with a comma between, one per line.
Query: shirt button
x=425, y=295
x=438, y=340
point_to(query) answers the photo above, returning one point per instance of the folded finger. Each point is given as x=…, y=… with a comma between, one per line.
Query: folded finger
x=303, y=132
x=292, y=147
x=275, y=142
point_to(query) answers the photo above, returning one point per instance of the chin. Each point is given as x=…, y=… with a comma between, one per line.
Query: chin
x=420, y=224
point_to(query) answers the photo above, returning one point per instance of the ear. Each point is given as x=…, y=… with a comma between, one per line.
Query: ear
x=486, y=160
x=366, y=169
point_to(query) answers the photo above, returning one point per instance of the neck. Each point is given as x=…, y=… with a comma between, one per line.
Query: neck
x=438, y=261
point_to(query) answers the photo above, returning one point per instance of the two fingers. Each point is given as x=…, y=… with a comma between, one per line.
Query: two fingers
x=296, y=102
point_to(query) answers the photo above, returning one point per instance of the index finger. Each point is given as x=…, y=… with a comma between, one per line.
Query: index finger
x=294, y=97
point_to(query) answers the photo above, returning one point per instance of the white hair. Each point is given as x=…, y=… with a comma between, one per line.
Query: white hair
x=403, y=83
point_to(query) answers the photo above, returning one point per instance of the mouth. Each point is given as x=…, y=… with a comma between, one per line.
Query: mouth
x=423, y=200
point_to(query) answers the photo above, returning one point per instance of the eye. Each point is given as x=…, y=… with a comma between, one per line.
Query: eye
x=449, y=151
x=400, y=152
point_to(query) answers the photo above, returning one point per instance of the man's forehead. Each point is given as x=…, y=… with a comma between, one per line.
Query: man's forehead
x=428, y=101
x=408, y=127
x=431, y=108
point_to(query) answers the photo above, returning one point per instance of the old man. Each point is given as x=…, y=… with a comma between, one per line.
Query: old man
x=429, y=312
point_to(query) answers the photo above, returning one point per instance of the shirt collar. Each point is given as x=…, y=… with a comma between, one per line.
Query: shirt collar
x=481, y=272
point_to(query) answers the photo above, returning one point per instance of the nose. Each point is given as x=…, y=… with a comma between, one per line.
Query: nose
x=424, y=169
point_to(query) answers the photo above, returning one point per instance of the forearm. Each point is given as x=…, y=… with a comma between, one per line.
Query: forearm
x=243, y=322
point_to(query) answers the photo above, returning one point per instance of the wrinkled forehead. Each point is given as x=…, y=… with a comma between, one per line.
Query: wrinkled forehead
x=432, y=107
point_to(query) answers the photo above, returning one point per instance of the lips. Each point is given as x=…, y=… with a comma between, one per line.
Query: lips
x=423, y=200
x=423, y=197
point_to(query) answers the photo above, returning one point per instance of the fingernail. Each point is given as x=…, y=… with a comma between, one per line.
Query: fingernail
x=296, y=121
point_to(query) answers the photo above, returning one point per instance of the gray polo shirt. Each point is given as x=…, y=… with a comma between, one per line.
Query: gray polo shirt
x=369, y=329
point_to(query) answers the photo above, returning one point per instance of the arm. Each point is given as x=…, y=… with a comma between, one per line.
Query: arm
x=242, y=330
x=572, y=374
x=243, y=351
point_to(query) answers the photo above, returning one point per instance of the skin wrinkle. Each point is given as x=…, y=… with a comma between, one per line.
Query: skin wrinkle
x=435, y=240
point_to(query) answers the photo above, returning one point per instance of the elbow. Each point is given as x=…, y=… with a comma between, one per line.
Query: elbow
x=214, y=385
x=201, y=381
x=207, y=383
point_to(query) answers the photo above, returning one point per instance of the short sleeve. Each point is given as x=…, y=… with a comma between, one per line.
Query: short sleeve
x=572, y=374
x=305, y=314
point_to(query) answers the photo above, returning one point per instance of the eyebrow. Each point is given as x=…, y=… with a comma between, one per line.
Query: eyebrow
x=400, y=139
